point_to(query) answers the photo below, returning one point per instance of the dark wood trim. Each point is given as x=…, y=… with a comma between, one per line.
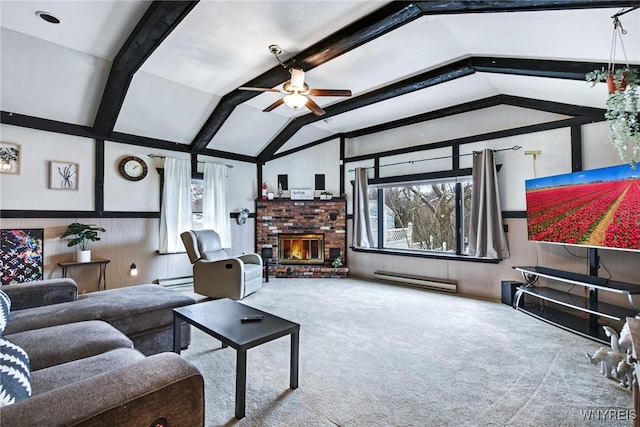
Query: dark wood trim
x=421, y=176
x=421, y=81
x=576, y=148
x=47, y=125
x=306, y=146
x=425, y=254
x=514, y=214
x=99, y=176
x=494, y=6
x=553, y=107
x=155, y=25
x=535, y=67
x=10, y=213
x=385, y=19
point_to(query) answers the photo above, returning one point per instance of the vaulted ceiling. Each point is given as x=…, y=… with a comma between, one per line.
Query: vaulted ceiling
x=166, y=74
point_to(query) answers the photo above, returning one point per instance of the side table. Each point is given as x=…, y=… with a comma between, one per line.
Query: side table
x=102, y=264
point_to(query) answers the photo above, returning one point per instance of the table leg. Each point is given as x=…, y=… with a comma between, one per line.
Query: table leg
x=64, y=272
x=177, y=334
x=295, y=357
x=241, y=383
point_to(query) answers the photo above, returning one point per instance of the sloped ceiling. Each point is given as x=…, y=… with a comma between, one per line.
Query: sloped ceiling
x=166, y=74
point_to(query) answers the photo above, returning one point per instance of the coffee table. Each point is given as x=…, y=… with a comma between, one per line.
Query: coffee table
x=221, y=320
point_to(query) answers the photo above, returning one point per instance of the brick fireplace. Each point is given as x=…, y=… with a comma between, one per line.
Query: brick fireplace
x=305, y=236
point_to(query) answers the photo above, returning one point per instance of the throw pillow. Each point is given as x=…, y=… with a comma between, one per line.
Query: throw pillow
x=5, y=308
x=15, y=378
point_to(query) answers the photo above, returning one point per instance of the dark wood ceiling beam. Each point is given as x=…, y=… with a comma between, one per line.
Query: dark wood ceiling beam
x=403, y=87
x=569, y=70
x=157, y=23
x=383, y=20
x=494, y=6
x=553, y=107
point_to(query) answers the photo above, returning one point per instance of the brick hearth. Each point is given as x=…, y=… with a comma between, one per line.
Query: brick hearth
x=328, y=217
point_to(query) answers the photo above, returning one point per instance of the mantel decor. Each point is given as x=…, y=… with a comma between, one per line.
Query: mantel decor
x=622, y=103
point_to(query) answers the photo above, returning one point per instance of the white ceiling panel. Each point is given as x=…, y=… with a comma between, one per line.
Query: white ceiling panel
x=157, y=108
x=304, y=136
x=579, y=35
x=454, y=92
x=564, y=91
x=223, y=44
x=57, y=83
x=247, y=131
x=96, y=27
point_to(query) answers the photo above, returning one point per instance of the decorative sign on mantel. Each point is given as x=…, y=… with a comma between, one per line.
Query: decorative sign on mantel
x=301, y=194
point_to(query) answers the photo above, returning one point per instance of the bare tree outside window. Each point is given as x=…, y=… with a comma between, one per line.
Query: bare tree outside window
x=422, y=216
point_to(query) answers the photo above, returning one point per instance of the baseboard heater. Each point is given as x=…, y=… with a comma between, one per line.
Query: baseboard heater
x=417, y=281
x=172, y=282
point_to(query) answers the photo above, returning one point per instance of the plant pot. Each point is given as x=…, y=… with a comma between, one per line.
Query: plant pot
x=325, y=197
x=83, y=256
x=611, y=84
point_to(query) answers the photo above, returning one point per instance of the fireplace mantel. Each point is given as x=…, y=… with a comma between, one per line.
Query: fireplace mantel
x=286, y=216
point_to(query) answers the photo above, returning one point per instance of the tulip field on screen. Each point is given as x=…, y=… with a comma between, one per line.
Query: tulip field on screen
x=594, y=214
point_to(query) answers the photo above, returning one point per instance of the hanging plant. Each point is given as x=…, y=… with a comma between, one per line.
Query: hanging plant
x=622, y=103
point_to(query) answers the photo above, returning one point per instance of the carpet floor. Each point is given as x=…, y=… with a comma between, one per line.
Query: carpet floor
x=373, y=354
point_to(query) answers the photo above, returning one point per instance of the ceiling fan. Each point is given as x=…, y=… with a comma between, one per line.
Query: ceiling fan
x=297, y=92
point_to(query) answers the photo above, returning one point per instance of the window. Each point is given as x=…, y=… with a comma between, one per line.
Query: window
x=422, y=216
x=197, y=190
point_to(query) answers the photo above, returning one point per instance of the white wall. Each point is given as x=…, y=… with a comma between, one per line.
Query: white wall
x=127, y=240
x=479, y=279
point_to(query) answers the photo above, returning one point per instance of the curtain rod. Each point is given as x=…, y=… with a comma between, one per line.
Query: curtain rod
x=514, y=148
x=155, y=156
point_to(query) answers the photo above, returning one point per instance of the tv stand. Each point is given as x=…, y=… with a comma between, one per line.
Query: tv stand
x=582, y=315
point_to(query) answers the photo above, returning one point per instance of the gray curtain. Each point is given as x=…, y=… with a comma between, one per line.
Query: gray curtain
x=362, y=235
x=486, y=234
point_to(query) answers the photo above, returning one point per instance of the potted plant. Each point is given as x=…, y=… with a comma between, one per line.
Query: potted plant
x=81, y=235
x=326, y=195
x=622, y=110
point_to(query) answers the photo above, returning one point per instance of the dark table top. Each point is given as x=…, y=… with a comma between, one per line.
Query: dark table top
x=221, y=319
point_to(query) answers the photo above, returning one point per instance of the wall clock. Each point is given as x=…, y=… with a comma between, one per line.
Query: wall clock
x=133, y=168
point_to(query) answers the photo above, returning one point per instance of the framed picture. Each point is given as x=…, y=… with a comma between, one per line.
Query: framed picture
x=10, y=157
x=21, y=255
x=63, y=175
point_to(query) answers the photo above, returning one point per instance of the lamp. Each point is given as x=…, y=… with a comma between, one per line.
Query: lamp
x=295, y=100
x=134, y=270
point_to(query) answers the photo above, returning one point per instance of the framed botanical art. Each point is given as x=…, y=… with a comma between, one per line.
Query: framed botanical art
x=10, y=157
x=63, y=175
x=21, y=256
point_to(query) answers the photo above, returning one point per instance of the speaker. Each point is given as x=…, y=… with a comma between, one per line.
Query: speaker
x=509, y=291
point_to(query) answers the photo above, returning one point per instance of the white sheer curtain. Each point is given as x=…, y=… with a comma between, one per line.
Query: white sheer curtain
x=175, y=215
x=214, y=202
x=486, y=233
x=362, y=235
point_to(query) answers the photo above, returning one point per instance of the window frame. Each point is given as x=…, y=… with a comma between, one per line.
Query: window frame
x=421, y=179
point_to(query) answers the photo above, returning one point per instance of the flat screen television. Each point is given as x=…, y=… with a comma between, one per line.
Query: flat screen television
x=596, y=208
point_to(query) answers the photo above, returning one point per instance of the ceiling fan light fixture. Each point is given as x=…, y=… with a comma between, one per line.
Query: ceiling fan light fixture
x=295, y=100
x=297, y=79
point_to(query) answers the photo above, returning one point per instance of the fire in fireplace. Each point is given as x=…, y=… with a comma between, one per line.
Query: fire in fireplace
x=301, y=249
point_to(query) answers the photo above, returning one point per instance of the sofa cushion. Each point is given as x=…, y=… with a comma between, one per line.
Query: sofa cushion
x=57, y=376
x=15, y=380
x=63, y=343
x=5, y=308
x=130, y=310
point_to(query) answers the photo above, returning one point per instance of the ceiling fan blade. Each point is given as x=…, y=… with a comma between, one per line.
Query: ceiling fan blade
x=259, y=89
x=315, y=108
x=273, y=106
x=330, y=92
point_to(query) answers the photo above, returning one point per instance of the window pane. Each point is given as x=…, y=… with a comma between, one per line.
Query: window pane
x=421, y=216
x=197, y=190
x=466, y=213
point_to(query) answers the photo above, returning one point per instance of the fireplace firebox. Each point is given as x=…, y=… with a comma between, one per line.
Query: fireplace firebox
x=301, y=249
